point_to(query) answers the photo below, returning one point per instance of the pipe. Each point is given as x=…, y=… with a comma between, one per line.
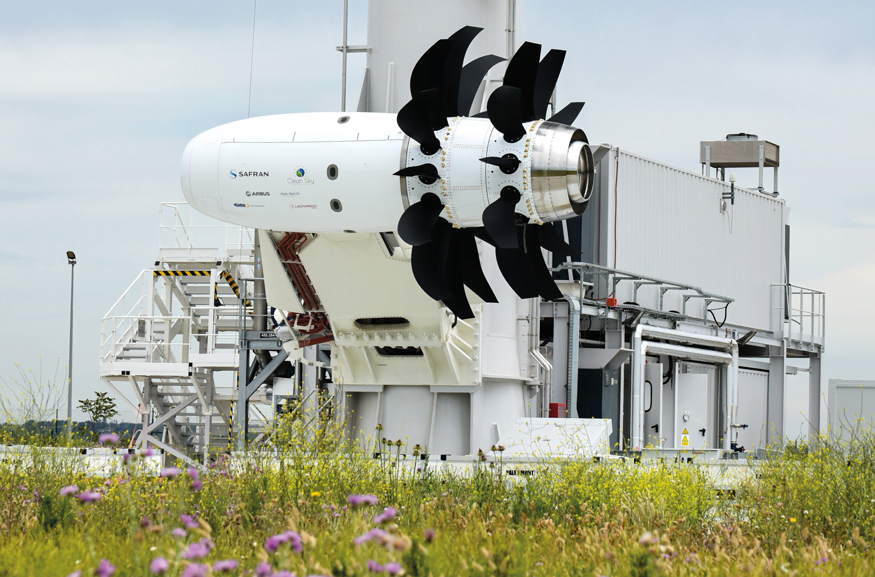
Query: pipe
x=259, y=303
x=572, y=356
x=640, y=349
x=345, y=50
x=636, y=424
x=689, y=338
x=731, y=396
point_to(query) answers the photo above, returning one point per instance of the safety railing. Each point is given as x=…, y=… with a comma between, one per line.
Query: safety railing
x=799, y=313
x=188, y=234
x=604, y=278
x=142, y=338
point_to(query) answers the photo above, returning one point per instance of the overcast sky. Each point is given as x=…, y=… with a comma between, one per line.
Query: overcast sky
x=98, y=99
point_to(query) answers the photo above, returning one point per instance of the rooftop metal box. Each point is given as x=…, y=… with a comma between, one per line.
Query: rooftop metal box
x=739, y=153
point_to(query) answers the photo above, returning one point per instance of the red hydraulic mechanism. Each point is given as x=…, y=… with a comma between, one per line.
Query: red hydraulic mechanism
x=311, y=327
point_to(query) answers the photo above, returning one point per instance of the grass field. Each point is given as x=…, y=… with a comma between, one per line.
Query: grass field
x=319, y=507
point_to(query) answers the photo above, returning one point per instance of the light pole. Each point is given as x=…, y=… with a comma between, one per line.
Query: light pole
x=71, y=259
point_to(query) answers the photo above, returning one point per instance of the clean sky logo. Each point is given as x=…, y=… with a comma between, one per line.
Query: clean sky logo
x=300, y=173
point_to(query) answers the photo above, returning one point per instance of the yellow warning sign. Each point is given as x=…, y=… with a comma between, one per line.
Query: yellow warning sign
x=685, y=432
x=685, y=441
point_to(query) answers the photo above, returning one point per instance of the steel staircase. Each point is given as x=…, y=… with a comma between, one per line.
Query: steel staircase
x=172, y=339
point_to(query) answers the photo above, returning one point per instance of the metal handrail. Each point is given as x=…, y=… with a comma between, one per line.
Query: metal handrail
x=810, y=321
x=617, y=276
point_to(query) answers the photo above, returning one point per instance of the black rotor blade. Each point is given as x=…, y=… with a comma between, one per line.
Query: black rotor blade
x=522, y=71
x=429, y=262
x=505, y=110
x=568, y=114
x=510, y=162
x=548, y=237
x=481, y=233
x=499, y=220
x=428, y=72
x=484, y=114
x=414, y=121
x=457, y=301
x=514, y=267
x=459, y=305
x=467, y=258
x=545, y=82
x=427, y=169
x=453, y=68
x=433, y=100
x=469, y=83
x=416, y=223
x=540, y=274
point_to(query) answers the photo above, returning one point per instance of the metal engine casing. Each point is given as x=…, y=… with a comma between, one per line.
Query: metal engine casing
x=554, y=178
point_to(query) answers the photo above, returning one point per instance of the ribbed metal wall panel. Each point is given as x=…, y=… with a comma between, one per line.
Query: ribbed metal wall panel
x=669, y=226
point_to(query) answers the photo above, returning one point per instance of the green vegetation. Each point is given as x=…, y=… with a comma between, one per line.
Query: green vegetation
x=313, y=505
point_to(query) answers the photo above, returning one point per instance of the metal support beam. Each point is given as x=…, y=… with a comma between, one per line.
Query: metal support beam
x=246, y=390
x=170, y=414
x=264, y=374
x=776, y=397
x=813, y=398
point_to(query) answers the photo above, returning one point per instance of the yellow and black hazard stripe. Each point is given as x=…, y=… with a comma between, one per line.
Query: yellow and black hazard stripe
x=233, y=284
x=181, y=273
x=225, y=275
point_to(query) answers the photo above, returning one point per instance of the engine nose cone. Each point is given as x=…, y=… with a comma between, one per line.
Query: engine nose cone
x=562, y=171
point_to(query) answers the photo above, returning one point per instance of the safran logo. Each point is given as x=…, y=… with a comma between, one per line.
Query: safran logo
x=243, y=173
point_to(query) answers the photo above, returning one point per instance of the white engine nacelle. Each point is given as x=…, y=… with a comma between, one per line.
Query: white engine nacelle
x=332, y=172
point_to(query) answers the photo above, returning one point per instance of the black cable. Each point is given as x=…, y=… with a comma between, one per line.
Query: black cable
x=725, y=313
x=667, y=376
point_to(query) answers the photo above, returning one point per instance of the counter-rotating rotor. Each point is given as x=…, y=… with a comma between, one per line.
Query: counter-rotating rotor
x=497, y=176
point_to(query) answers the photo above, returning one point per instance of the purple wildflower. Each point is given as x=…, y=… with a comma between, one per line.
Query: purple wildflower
x=263, y=569
x=110, y=438
x=147, y=452
x=198, y=549
x=374, y=533
x=104, y=568
x=430, y=535
x=159, y=565
x=196, y=570
x=374, y=567
x=197, y=485
x=192, y=472
x=188, y=521
x=178, y=532
x=285, y=573
x=69, y=490
x=169, y=472
x=127, y=457
x=356, y=500
x=273, y=543
x=392, y=568
x=388, y=513
x=226, y=565
x=89, y=496
x=76, y=573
